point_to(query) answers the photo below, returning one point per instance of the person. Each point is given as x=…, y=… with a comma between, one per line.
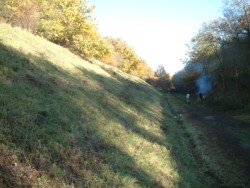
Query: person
x=188, y=97
x=201, y=96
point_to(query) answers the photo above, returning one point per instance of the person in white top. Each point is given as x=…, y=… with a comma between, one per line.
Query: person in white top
x=188, y=97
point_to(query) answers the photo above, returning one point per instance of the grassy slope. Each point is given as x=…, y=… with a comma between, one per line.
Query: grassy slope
x=65, y=121
x=68, y=122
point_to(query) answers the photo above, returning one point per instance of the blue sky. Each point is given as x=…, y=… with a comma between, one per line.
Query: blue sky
x=158, y=30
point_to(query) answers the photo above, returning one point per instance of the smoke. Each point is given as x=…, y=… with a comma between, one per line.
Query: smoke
x=203, y=84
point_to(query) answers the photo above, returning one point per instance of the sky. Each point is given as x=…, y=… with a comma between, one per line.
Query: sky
x=158, y=30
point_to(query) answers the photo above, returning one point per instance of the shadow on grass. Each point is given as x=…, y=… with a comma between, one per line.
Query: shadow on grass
x=45, y=127
x=141, y=103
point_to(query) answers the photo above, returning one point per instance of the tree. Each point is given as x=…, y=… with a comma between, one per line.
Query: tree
x=162, y=79
x=222, y=49
x=184, y=80
x=124, y=57
x=68, y=23
x=23, y=13
x=237, y=16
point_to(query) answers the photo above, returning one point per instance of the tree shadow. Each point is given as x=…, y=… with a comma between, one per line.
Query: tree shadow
x=45, y=126
x=119, y=114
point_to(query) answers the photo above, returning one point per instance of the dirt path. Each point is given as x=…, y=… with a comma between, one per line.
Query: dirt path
x=224, y=139
x=224, y=131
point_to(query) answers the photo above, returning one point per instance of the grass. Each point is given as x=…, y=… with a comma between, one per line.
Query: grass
x=69, y=122
x=220, y=143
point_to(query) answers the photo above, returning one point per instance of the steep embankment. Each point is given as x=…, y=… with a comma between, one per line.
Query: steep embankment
x=66, y=121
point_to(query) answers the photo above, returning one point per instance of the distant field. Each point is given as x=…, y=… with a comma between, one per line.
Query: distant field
x=68, y=122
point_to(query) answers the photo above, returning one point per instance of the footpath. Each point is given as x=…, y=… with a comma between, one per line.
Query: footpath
x=219, y=142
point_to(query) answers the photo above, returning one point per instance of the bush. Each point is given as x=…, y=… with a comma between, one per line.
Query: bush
x=230, y=100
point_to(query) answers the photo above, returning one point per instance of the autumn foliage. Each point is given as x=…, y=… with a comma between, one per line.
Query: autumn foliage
x=124, y=57
x=161, y=80
x=70, y=24
x=221, y=50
